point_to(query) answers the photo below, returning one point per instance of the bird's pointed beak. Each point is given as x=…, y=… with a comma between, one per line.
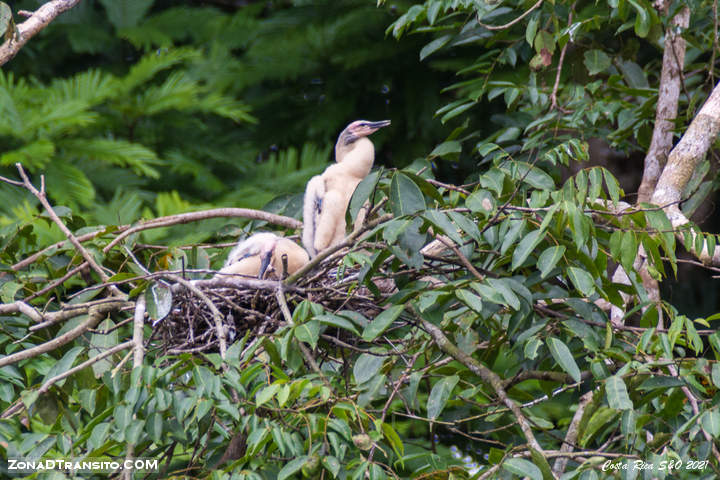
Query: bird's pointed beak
x=264, y=263
x=380, y=124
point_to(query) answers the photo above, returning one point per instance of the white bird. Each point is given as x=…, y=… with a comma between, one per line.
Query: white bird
x=261, y=256
x=327, y=196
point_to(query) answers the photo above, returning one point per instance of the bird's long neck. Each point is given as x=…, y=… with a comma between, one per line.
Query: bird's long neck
x=357, y=157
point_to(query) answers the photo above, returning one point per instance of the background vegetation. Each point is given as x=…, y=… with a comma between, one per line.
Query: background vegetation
x=514, y=352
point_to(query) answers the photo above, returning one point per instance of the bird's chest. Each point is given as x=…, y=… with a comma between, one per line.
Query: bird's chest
x=338, y=179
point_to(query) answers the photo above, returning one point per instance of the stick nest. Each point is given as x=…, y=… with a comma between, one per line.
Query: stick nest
x=190, y=325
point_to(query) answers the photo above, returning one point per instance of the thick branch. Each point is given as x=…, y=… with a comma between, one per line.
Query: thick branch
x=40, y=19
x=667, y=105
x=682, y=162
x=95, y=314
x=573, y=432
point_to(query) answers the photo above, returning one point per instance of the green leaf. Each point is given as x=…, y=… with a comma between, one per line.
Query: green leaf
x=710, y=422
x=266, y=394
x=562, y=355
x=523, y=468
x=126, y=13
x=308, y=332
x=362, y=192
x=9, y=290
x=628, y=250
x=617, y=394
x=526, y=247
x=98, y=436
x=6, y=20
x=716, y=374
x=582, y=280
x=529, y=174
x=481, y=201
x=64, y=364
x=549, y=258
x=531, y=29
x=434, y=46
x=469, y=299
x=405, y=196
x=443, y=225
x=159, y=301
x=596, y=61
x=642, y=21
x=393, y=439
x=381, y=322
x=292, y=467
x=446, y=148
x=599, y=419
x=366, y=367
x=661, y=381
x=439, y=395
x=331, y=464
x=338, y=321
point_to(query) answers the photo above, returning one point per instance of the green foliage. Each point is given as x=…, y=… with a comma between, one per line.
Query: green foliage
x=524, y=292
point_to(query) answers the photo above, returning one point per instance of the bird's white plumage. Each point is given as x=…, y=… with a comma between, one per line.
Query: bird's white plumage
x=328, y=195
x=261, y=256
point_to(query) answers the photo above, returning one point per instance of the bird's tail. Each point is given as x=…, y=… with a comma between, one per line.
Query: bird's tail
x=312, y=204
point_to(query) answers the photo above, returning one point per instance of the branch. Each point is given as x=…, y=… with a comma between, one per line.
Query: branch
x=16, y=407
x=40, y=195
x=40, y=19
x=95, y=314
x=182, y=218
x=217, y=316
x=510, y=24
x=683, y=161
x=138, y=324
x=667, y=105
x=573, y=432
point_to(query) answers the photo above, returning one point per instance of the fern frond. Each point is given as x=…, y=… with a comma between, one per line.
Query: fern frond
x=123, y=208
x=58, y=117
x=224, y=106
x=115, y=152
x=177, y=92
x=92, y=87
x=12, y=123
x=152, y=63
x=33, y=156
x=68, y=185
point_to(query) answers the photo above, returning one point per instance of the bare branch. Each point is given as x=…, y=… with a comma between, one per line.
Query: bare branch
x=95, y=314
x=138, y=324
x=667, y=105
x=217, y=316
x=39, y=19
x=78, y=246
x=510, y=24
x=182, y=218
x=572, y=433
x=683, y=160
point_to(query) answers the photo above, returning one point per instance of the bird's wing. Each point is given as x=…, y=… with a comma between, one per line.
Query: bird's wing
x=312, y=207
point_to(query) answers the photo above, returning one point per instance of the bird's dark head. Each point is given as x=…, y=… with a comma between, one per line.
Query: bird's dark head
x=361, y=128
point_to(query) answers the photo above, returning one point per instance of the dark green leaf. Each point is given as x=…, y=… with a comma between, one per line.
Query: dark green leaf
x=596, y=61
x=405, y=197
x=617, y=394
x=381, y=322
x=562, y=355
x=522, y=468
x=439, y=395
